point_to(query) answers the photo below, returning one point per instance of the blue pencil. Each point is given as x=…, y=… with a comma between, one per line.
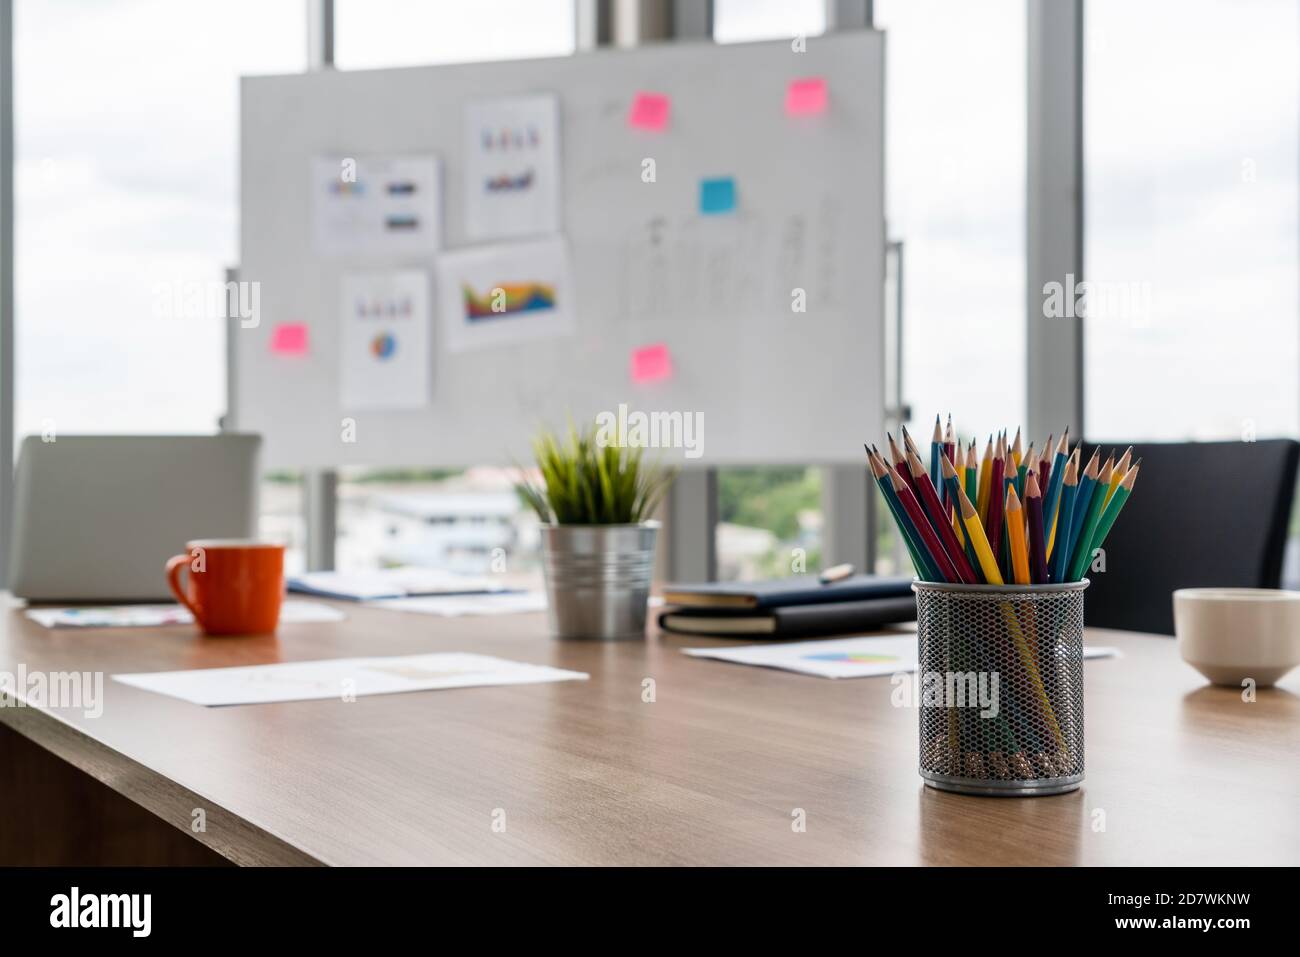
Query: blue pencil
x=1052, y=494
x=1069, y=491
x=1082, y=499
x=936, y=453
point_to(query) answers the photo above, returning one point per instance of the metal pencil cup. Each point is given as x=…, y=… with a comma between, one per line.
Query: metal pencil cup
x=1001, y=687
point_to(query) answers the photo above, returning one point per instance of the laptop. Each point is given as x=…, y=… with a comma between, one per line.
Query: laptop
x=97, y=516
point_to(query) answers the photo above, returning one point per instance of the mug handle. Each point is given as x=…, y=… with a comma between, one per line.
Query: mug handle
x=174, y=566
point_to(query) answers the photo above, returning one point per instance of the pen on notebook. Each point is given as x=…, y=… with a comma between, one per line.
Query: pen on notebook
x=835, y=573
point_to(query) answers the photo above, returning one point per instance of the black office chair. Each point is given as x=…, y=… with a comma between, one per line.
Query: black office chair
x=1201, y=514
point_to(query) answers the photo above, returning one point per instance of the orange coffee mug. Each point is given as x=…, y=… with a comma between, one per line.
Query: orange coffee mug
x=235, y=586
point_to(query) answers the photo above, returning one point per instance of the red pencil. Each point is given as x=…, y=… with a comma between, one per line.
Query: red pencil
x=942, y=521
x=900, y=462
x=1036, y=542
x=993, y=528
x=923, y=528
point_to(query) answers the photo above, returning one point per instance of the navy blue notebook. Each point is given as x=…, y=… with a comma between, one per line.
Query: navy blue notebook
x=791, y=621
x=783, y=592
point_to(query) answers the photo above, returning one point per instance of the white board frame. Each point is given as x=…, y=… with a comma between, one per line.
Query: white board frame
x=774, y=386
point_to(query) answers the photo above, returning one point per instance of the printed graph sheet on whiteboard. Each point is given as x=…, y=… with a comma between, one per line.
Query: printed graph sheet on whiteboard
x=707, y=238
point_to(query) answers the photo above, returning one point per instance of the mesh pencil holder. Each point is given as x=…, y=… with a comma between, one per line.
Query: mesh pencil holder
x=1001, y=687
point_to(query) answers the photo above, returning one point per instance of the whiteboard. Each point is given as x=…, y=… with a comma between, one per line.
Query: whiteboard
x=769, y=384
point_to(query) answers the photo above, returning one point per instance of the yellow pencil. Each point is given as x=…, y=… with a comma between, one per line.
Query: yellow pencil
x=1016, y=537
x=979, y=541
x=1121, y=469
x=1016, y=451
x=986, y=477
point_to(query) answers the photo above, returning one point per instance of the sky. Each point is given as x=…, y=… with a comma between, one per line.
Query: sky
x=126, y=119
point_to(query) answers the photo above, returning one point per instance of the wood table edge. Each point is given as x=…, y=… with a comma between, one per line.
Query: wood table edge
x=226, y=833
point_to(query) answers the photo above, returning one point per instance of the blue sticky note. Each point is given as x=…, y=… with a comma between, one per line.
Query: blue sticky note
x=717, y=195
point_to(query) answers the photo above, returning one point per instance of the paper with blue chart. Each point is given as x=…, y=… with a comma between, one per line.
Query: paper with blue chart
x=376, y=206
x=864, y=657
x=512, y=167
x=384, y=348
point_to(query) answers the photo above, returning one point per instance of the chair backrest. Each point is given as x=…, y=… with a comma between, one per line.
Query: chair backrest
x=1202, y=514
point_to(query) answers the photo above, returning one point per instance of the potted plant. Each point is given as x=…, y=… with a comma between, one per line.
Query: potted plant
x=598, y=543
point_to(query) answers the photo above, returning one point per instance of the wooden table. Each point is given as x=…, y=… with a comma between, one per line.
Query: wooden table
x=713, y=771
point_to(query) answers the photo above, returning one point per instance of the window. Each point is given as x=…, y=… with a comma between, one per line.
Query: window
x=462, y=520
x=387, y=33
x=737, y=21
x=126, y=167
x=955, y=198
x=1191, y=219
x=126, y=123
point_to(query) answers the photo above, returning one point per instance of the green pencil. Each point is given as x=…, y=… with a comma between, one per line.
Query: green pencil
x=1082, y=556
x=1111, y=512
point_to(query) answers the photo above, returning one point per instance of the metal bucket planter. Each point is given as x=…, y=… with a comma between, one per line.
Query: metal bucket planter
x=598, y=578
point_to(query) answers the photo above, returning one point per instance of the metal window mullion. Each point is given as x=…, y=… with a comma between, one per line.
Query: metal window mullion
x=320, y=486
x=1054, y=213
x=6, y=283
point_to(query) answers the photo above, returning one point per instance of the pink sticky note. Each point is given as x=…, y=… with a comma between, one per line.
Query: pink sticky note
x=650, y=111
x=289, y=339
x=652, y=363
x=806, y=96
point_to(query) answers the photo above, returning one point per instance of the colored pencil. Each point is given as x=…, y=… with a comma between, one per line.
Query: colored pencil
x=1036, y=545
x=1121, y=470
x=942, y=524
x=986, y=474
x=950, y=486
x=1082, y=556
x=1016, y=536
x=1113, y=507
x=949, y=440
x=925, y=569
x=1045, y=465
x=973, y=528
x=911, y=442
x=971, y=477
x=1047, y=513
x=993, y=524
x=947, y=571
x=936, y=451
x=899, y=462
x=1052, y=497
x=1027, y=463
x=1069, y=490
x=1082, y=502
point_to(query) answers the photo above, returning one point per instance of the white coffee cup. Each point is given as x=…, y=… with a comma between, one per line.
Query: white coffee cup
x=1231, y=634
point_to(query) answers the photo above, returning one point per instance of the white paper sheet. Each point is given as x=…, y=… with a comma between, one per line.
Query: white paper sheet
x=492, y=296
x=342, y=678
x=839, y=657
x=512, y=167
x=152, y=616
x=376, y=207
x=454, y=606
x=384, y=346
x=391, y=583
